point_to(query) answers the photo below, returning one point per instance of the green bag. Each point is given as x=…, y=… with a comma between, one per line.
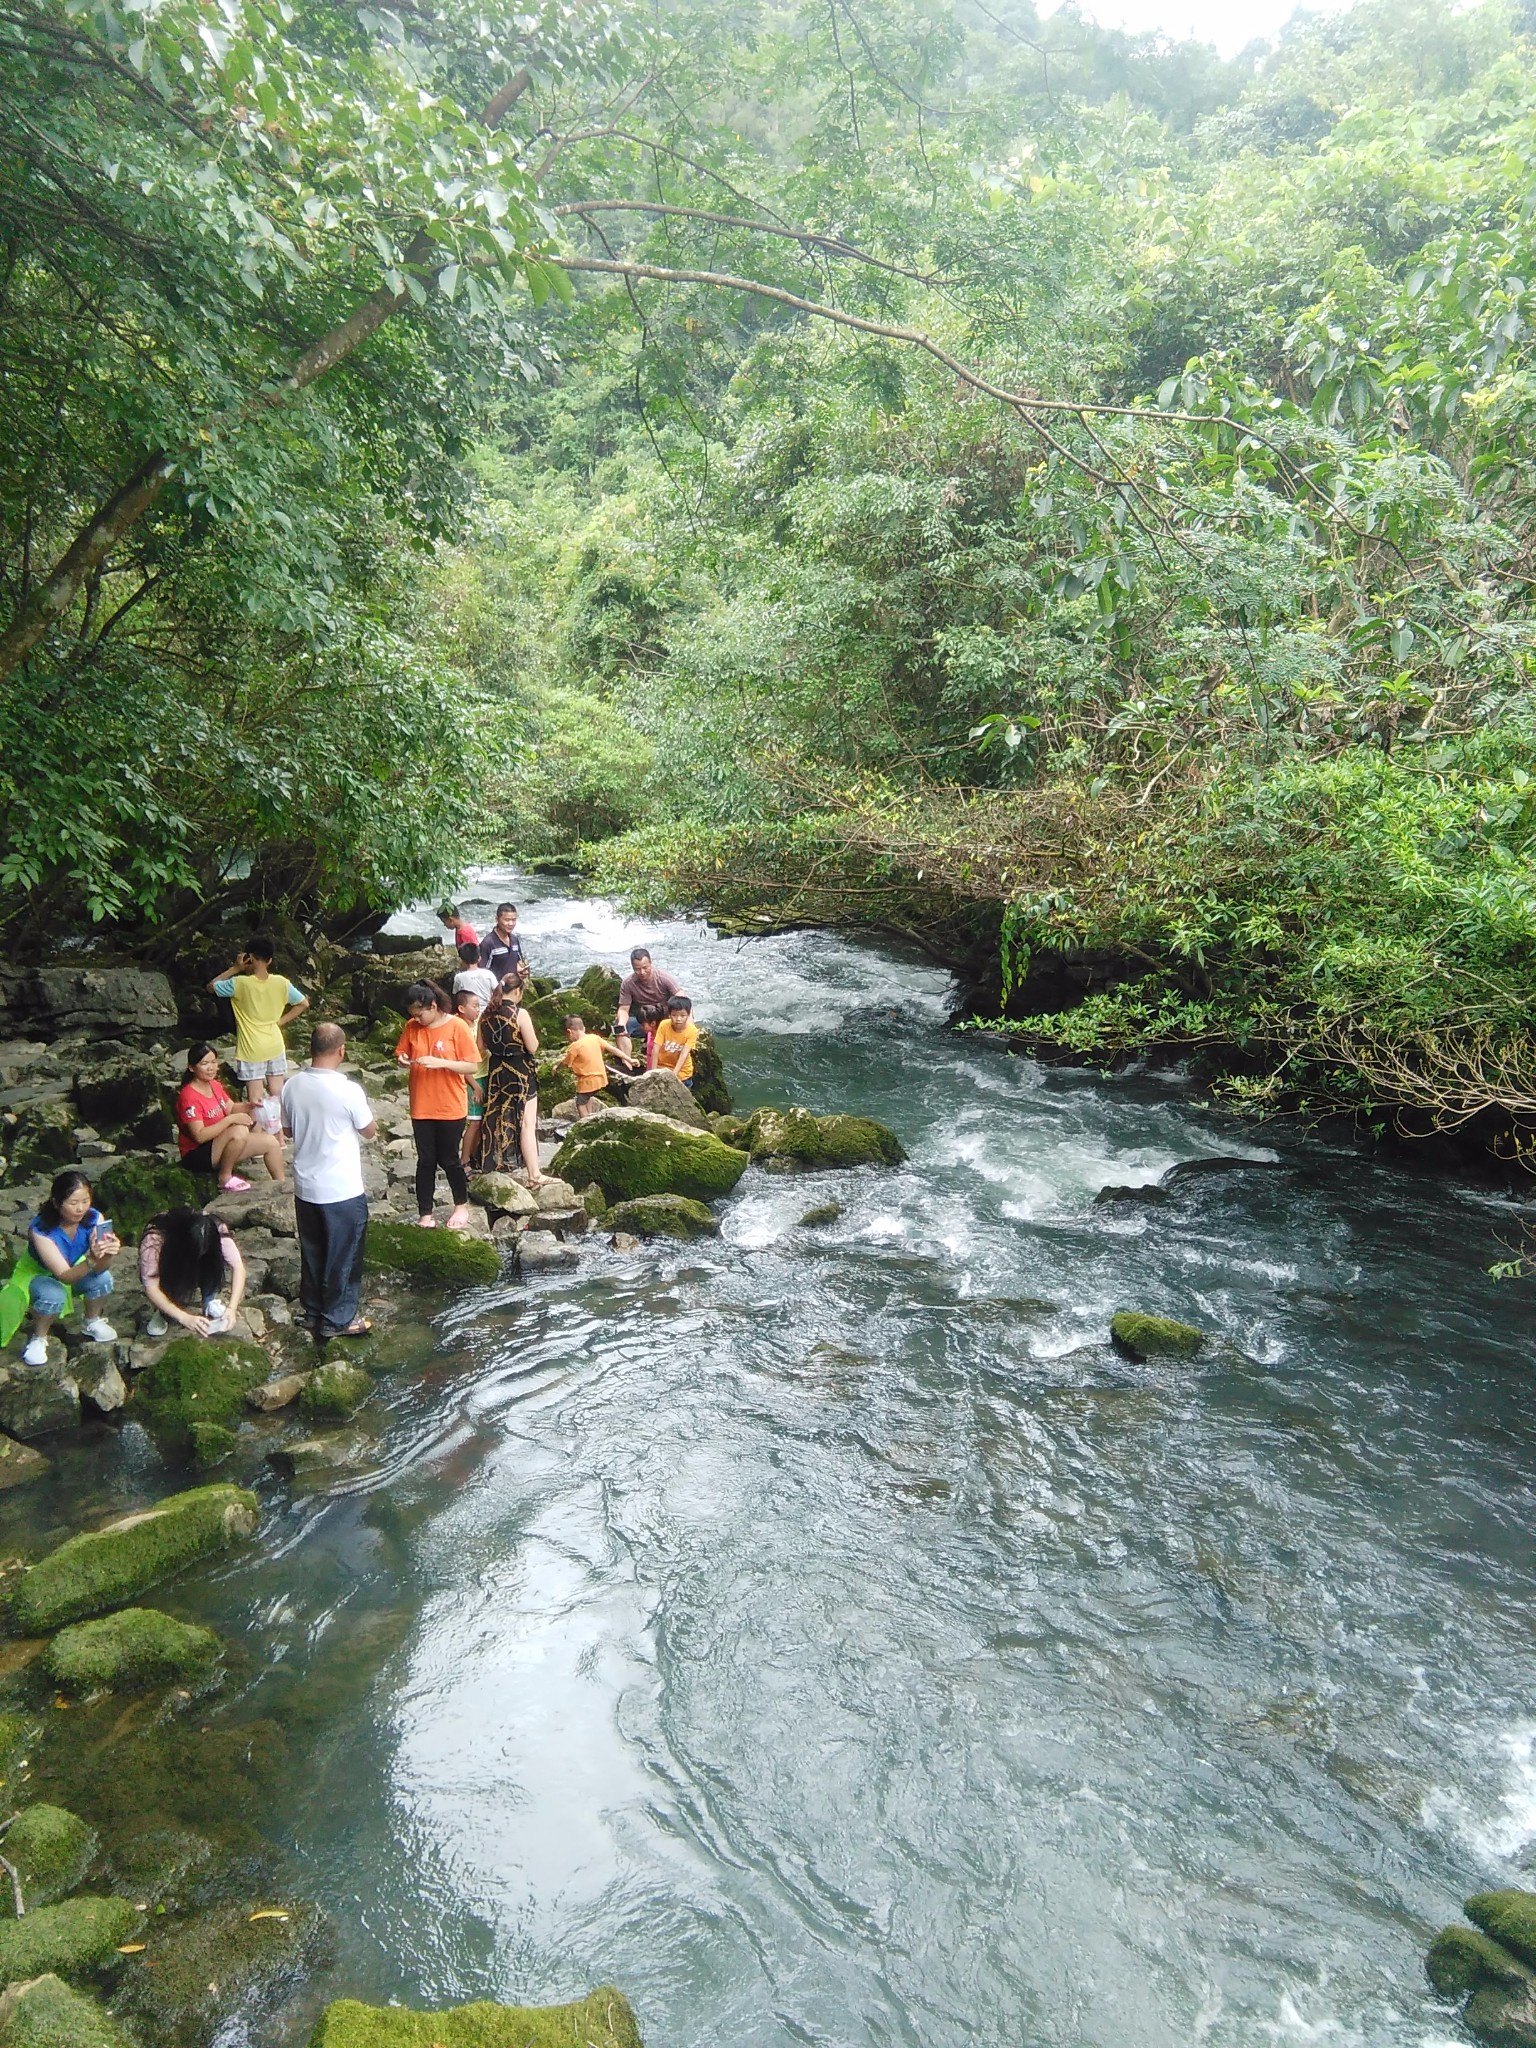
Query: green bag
x=16, y=1295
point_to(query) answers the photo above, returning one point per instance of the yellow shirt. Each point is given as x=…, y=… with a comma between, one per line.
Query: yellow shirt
x=259, y=1001
x=673, y=1047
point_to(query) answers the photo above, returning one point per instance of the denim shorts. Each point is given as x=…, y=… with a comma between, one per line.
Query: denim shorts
x=261, y=1070
x=47, y=1294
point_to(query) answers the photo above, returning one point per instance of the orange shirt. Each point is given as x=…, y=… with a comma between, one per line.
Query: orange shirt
x=584, y=1057
x=437, y=1095
x=673, y=1046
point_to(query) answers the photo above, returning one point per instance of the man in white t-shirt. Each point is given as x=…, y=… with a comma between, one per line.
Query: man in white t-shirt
x=325, y=1114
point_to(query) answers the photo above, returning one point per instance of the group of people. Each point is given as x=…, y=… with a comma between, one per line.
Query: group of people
x=472, y=1055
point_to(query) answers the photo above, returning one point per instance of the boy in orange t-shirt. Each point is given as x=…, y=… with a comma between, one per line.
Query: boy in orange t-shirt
x=584, y=1056
x=441, y=1052
x=676, y=1037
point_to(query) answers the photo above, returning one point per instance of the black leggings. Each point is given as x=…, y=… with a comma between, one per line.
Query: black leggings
x=438, y=1144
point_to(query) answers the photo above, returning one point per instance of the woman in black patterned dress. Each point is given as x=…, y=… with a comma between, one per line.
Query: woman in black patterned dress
x=510, y=1123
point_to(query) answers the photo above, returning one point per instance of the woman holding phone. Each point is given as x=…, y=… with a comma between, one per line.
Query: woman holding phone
x=70, y=1246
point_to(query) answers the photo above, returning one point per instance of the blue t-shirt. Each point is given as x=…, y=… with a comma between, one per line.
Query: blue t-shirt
x=74, y=1244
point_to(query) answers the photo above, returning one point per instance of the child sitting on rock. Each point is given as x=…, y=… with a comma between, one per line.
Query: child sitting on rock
x=676, y=1036
x=583, y=1054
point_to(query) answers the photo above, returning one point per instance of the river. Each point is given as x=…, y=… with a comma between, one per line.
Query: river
x=793, y=1632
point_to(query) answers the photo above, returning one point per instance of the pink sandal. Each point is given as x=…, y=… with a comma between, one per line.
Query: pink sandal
x=235, y=1185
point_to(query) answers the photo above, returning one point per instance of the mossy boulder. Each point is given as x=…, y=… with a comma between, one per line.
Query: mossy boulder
x=435, y=1258
x=194, y=1974
x=603, y=2019
x=42, y=1140
x=600, y=985
x=210, y=1444
x=134, y=1190
x=75, y=1938
x=709, y=1089
x=629, y=1153
x=663, y=1216
x=122, y=1652
x=731, y=1130
x=109, y=1567
x=1462, y=1958
x=796, y=1138
x=197, y=1380
x=819, y=1217
x=1145, y=1337
x=52, y=1850
x=557, y=1084
x=550, y=1012
x=46, y=2013
x=1508, y=1917
x=336, y=1391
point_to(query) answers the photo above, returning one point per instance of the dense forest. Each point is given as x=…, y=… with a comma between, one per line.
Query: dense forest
x=924, y=466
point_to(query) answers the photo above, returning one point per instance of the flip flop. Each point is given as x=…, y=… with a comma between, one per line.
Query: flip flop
x=361, y=1328
x=235, y=1185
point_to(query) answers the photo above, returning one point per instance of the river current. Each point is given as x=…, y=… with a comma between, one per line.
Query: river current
x=793, y=1632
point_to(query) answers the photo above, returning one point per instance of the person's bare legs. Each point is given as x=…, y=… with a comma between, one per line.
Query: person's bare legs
x=528, y=1139
x=255, y=1090
x=228, y=1150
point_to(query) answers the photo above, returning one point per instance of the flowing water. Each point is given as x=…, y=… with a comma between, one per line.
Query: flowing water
x=794, y=1632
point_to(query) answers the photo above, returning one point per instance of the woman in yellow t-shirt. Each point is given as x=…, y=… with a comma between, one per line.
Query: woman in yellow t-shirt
x=676, y=1037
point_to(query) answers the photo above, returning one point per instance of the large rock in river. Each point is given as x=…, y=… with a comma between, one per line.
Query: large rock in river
x=52, y=1850
x=1492, y=1967
x=665, y=1094
x=107, y=1567
x=197, y=1382
x=663, y=1216
x=630, y=1152
x=121, y=1652
x=603, y=2019
x=75, y=1938
x=796, y=1138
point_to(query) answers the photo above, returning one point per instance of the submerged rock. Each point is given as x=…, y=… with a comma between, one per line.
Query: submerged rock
x=630, y=1152
x=45, y=2013
x=120, y=1652
x=1143, y=1337
x=819, y=1217
x=323, y=1457
x=52, y=1850
x=663, y=1216
x=106, y=1567
x=441, y=1258
x=194, y=1973
x=37, y=1403
x=336, y=1391
x=197, y=1380
x=19, y=1463
x=603, y=2019
x=794, y=1137
x=75, y=1938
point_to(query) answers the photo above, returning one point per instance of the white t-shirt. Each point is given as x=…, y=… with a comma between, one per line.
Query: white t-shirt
x=325, y=1111
x=478, y=980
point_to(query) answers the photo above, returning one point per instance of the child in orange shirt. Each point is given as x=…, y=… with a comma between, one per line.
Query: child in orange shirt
x=584, y=1056
x=676, y=1037
x=441, y=1052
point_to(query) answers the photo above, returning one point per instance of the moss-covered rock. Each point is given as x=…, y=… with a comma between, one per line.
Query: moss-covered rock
x=42, y=1140
x=336, y=1391
x=109, y=1567
x=1509, y=1917
x=435, y=1258
x=210, y=1444
x=121, y=1652
x=197, y=1380
x=630, y=1153
x=663, y=1216
x=819, y=1217
x=731, y=1130
x=193, y=1973
x=502, y=1195
x=134, y=1190
x=52, y=1850
x=1461, y=1958
x=45, y=2013
x=1144, y=1337
x=75, y=1938
x=600, y=985
x=1502, y=2015
x=603, y=2019
x=794, y=1137
x=376, y=1046
x=550, y=1012
x=709, y=1089
x=557, y=1084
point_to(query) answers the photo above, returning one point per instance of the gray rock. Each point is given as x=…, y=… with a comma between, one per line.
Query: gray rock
x=125, y=1095
x=552, y=1193
x=265, y=1206
x=536, y=1251
x=34, y=1404
x=274, y=1308
x=94, y=1370
x=285, y=1274
x=42, y=1139
x=277, y=1393
x=666, y=1095
x=502, y=1195
x=326, y=1457
x=19, y=1463
x=138, y=1000
x=624, y=1241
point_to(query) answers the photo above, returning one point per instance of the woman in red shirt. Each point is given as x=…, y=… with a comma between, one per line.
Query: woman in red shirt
x=214, y=1133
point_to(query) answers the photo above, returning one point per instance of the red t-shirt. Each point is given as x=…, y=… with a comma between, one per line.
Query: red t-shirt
x=465, y=935
x=193, y=1107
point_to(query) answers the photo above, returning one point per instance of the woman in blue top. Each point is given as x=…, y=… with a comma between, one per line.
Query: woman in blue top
x=74, y=1247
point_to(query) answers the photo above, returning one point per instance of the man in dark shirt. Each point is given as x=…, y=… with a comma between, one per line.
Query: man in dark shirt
x=502, y=950
x=645, y=992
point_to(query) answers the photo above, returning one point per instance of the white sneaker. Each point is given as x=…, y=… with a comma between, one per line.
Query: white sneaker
x=36, y=1352
x=99, y=1332
x=157, y=1326
x=217, y=1313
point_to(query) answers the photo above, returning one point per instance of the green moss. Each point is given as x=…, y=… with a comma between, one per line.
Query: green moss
x=819, y=1217
x=17, y=1736
x=709, y=1089
x=663, y=1216
x=603, y=2019
x=435, y=1258
x=1459, y=1959
x=600, y=985
x=542, y=984
x=108, y=1567
x=633, y=1154
x=556, y=1083
x=1500, y=2016
x=121, y=1652
x=1509, y=1916
x=335, y=1391
x=46, y=2013
x=197, y=1380
x=797, y=1138
x=75, y=1938
x=550, y=1012
x=376, y=1046
x=732, y=1130
x=1142, y=1337
x=194, y=1973
x=134, y=1190
x=52, y=1850
x=210, y=1444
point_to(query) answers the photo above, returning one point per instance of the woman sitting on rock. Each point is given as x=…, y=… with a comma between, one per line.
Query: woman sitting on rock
x=70, y=1245
x=510, y=1123
x=186, y=1260
x=214, y=1133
